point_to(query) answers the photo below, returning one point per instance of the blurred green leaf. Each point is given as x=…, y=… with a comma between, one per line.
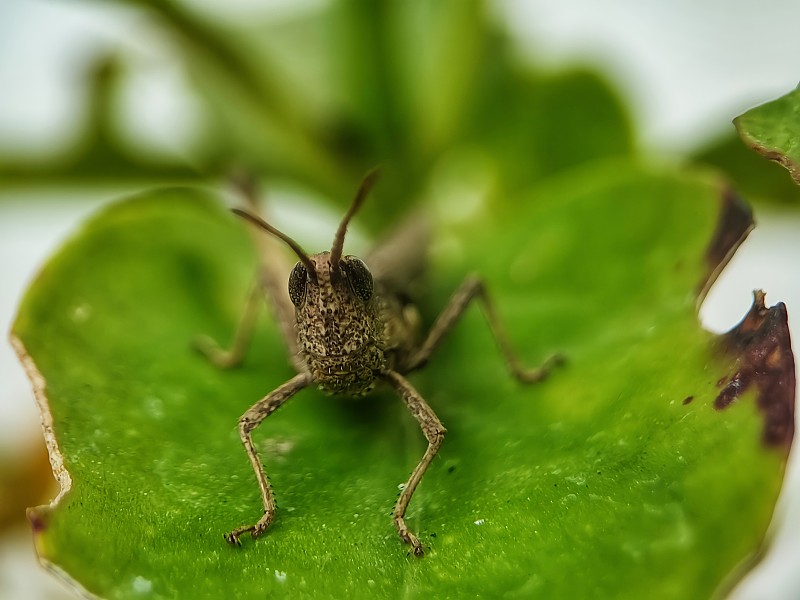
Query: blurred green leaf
x=618, y=468
x=773, y=130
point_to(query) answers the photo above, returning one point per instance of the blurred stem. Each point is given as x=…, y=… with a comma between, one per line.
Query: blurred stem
x=303, y=151
x=365, y=42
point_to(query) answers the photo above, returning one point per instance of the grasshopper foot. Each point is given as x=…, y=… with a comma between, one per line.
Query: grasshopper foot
x=255, y=530
x=233, y=537
x=409, y=538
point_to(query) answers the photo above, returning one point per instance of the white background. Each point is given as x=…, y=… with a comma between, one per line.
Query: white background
x=686, y=67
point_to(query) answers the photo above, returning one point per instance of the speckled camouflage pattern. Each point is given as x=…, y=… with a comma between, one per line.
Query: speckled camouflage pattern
x=340, y=337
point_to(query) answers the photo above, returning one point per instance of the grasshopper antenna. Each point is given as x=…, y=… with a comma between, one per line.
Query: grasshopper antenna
x=338, y=240
x=259, y=222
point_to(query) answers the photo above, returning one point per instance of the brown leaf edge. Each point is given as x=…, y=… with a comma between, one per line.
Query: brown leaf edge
x=761, y=346
x=760, y=343
x=769, y=153
x=734, y=224
x=39, y=516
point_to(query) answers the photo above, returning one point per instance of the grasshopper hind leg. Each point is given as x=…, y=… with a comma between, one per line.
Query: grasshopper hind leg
x=226, y=359
x=471, y=289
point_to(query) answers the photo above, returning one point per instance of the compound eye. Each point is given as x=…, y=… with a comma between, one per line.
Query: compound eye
x=297, y=284
x=358, y=276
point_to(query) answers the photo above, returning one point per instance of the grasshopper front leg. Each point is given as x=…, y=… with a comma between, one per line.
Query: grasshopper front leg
x=434, y=432
x=247, y=423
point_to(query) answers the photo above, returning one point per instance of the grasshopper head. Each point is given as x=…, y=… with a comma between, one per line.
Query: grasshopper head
x=333, y=294
x=344, y=280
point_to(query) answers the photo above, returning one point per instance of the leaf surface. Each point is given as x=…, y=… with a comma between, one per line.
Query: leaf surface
x=620, y=476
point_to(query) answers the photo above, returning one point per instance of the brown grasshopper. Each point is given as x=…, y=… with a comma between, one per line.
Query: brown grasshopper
x=348, y=326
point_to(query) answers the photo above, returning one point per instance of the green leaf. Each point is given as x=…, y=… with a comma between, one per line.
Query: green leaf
x=623, y=475
x=773, y=130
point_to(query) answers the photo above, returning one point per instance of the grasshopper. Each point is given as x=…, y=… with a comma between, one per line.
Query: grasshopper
x=349, y=326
